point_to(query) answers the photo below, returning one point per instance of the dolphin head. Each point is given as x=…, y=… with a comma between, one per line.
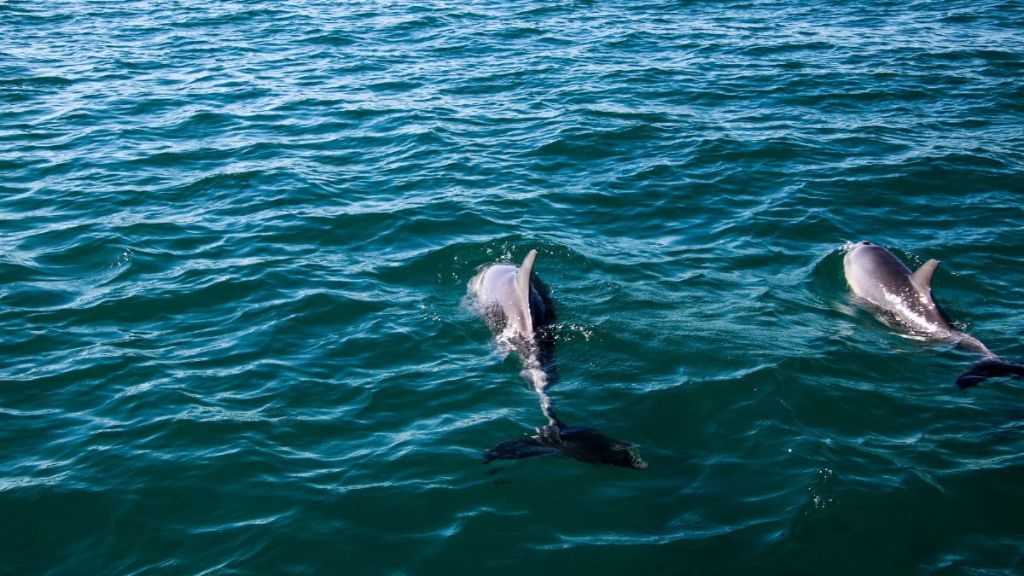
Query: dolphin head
x=870, y=269
x=859, y=253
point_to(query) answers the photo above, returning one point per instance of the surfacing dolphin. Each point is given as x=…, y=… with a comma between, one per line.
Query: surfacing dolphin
x=904, y=300
x=517, y=307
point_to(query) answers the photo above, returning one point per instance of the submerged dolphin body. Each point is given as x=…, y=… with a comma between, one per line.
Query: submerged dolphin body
x=517, y=307
x=904, y=300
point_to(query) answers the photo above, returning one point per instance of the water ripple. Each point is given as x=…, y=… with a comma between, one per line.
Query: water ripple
x=236, y=242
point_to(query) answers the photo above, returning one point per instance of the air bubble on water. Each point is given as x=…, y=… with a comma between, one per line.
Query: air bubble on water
x=122, y=259
x=430, y=313
x=821, y=490
x=567, y=332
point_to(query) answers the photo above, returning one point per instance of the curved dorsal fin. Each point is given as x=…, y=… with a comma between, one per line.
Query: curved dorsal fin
x=523, y=274
x=523, y=288
x=922, y=279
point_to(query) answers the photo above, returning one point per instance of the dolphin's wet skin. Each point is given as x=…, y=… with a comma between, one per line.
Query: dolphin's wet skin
x=517, y=306
x=903, y=299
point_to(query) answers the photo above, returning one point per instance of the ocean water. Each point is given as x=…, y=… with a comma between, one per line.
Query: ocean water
x=235, y=239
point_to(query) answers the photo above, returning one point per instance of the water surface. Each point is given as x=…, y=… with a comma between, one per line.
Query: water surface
x=235, y=240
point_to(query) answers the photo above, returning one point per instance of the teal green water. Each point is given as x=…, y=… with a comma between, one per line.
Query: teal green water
x=235, y=240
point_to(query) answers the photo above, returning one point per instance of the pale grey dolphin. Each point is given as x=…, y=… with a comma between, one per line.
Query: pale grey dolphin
x=518, y=308
x=904, y=300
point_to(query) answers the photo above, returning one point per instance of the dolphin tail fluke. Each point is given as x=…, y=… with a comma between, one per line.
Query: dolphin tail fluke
x=991, y=367
x=589, y=445
x=584, y=444
x=525, y=447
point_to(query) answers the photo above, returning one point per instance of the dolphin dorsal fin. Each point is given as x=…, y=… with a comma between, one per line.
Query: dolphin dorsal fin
x=922, y=279
x=523, y=288
x=523, y=274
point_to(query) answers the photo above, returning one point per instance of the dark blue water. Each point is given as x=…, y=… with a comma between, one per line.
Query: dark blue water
x=235, y=240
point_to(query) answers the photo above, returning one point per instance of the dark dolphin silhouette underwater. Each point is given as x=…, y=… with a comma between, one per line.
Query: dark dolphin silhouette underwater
x=517, y=306
x=903, y=299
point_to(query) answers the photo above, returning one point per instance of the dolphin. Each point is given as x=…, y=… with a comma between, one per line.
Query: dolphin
x=903, y=300
x=517, y=307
